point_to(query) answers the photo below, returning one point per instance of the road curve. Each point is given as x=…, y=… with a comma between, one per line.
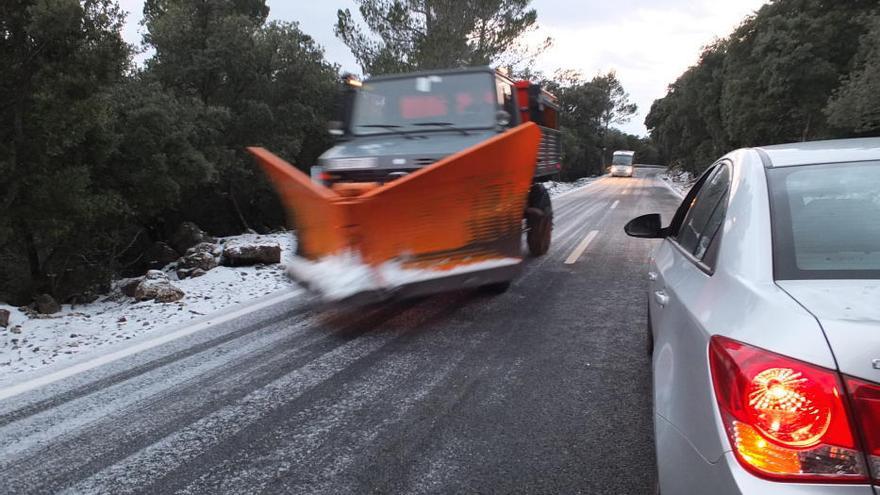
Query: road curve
x=544, y=389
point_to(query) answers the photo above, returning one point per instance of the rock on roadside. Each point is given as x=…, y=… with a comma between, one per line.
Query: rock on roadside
x=128, y=286
x=160, y=254
x=46, y=304
x=188, y=235
x=4, y=317
x=250, y=251
x=199, y=260
x=156, y=286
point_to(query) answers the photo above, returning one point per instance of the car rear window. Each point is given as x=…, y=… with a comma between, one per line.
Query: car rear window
x=826, y=221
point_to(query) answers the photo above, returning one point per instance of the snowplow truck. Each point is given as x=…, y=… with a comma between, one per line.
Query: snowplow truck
x=433, y=180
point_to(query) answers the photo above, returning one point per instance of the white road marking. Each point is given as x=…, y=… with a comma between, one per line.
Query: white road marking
x=577, y=222
x=579, y=250
x=613, y=206
x=149, y=344
x=625, y=192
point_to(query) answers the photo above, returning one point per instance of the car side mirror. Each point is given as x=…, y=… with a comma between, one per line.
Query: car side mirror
x=335, y=128
x=646, y=226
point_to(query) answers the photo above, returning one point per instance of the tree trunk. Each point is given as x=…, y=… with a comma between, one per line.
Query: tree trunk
x=806, y=134
x=33, y=255
x=237, y=209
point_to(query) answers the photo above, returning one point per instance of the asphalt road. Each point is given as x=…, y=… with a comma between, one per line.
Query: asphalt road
x=544, y=389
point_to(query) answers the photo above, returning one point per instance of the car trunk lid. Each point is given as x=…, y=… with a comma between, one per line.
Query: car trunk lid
x=849, y=312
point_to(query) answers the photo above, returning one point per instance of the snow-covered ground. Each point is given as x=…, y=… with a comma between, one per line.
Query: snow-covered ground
x=37, y=341
x=679, y=181
x=31, y=343
x=557, y=188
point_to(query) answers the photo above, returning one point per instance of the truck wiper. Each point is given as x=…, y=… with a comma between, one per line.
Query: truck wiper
x=448, y=125
x=389, y=127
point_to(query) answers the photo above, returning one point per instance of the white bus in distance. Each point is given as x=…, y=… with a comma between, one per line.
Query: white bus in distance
x=622, y=163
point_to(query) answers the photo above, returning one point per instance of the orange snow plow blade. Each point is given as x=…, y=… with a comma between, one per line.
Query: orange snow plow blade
x=465, y=209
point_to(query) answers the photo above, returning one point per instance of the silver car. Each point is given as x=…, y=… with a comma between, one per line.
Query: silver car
x=764, y=324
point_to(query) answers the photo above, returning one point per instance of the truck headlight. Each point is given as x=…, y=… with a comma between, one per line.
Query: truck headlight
x=351, y=163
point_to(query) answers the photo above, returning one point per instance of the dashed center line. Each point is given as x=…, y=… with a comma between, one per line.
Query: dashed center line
x=613, y=206
x=579, y=250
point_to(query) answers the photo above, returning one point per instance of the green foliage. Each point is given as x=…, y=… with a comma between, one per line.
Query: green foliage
x=269, y=80
x=856, y=104
x=687, y=123
x=588, y=109
x=59, y=58
x=433, y=34
x=157, y=155
x=771, y=81
x=100, y=159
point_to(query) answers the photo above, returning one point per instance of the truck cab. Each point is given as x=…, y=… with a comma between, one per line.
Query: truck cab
x=393, y=125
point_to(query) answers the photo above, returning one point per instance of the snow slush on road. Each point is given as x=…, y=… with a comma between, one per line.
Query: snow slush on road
x=427, y=189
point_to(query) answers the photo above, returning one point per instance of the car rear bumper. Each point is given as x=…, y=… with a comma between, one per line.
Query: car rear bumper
x=682, y=470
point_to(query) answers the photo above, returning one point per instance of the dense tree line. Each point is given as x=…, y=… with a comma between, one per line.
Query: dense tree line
x=407, y=35
x=797, y=70
x=589, y=109
x=100, y=159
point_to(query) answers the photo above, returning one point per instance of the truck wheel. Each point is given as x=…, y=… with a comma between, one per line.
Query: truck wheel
x=539, y=220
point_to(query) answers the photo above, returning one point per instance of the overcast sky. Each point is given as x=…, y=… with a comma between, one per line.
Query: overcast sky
x=648, y=42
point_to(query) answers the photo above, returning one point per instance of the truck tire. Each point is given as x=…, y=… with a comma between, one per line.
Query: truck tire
x=539, y=220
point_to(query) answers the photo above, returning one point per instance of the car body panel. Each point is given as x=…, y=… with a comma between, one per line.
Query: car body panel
x=725, y=476
x=737, y=298
x=744, y=271
x=834, y=151
x=849, y=312
x=749, y=484
x=699, y=474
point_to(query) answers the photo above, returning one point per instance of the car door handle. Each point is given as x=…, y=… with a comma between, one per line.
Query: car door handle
x=652, y=276
x=661, y=297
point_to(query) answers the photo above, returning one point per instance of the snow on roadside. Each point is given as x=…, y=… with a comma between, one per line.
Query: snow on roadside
x=31, y=343
x=557, y=188
x=678, y=180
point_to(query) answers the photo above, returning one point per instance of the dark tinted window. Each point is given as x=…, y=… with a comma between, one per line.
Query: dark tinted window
x=465, y=100
x=622, y=159
x=826, y=221
x=706, y=214
x=505, y=97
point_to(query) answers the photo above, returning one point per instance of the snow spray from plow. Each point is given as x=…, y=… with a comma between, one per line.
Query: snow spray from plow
x=454, y=224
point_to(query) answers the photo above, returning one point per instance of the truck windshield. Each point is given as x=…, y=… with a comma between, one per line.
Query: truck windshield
x=451, y=101
x=622, y=160
x=826, y=221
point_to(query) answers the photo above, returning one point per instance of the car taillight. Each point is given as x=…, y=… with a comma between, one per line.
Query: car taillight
x=866, y=402
x=787, y=420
